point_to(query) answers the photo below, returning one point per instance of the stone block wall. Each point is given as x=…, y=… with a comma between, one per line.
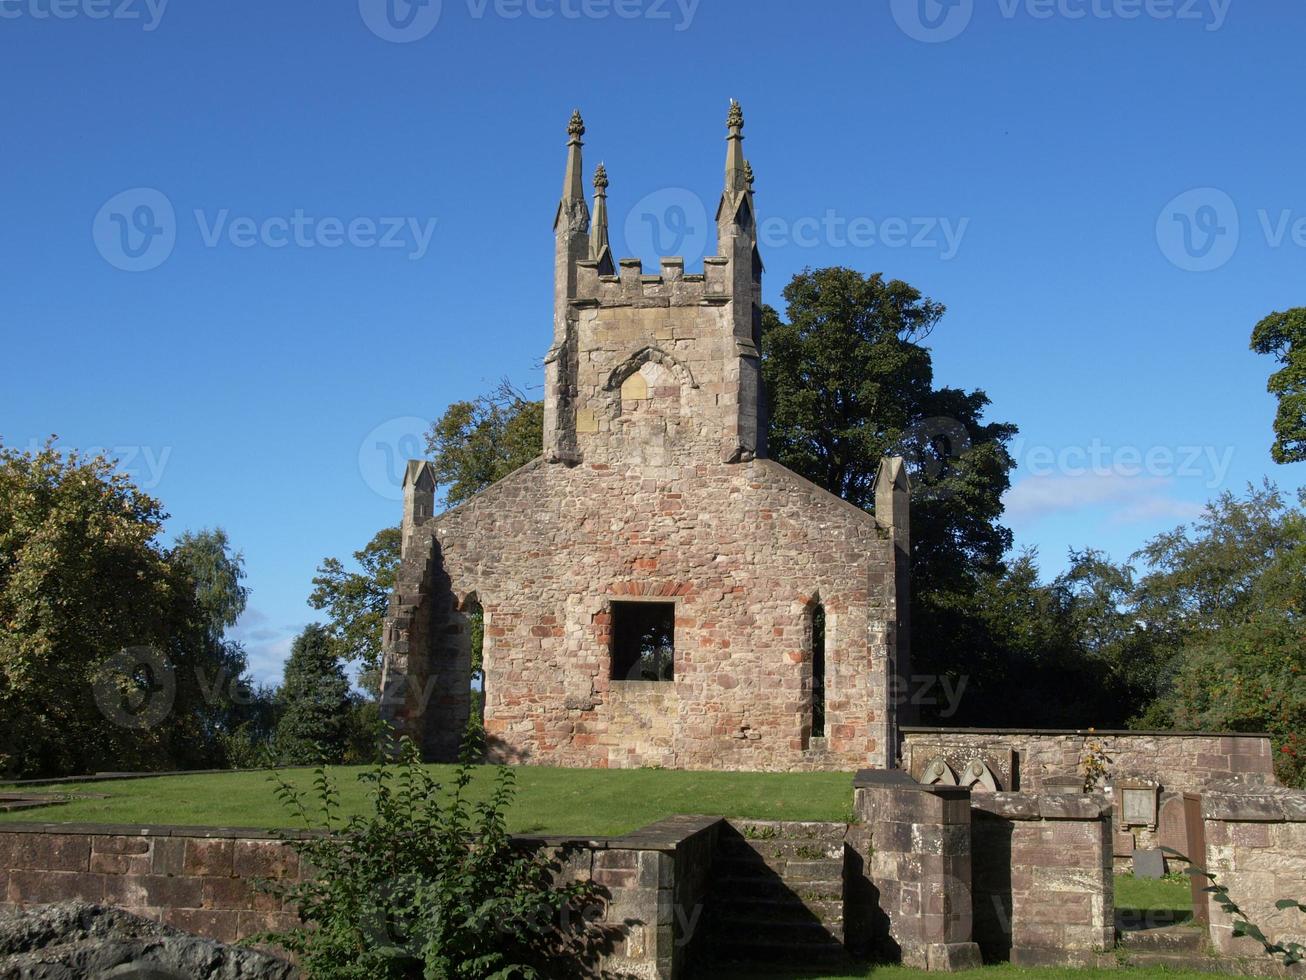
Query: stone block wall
x=195, y=879
x=1178, y=761
x=1043, y=887
x=201, y=880
x=743, y=552
x=914, y=852
x=1256, y=846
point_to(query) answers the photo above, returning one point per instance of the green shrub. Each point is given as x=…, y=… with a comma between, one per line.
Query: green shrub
x=427, y=885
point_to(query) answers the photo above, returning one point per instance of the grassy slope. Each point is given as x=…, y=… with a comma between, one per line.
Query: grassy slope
x=595, y=802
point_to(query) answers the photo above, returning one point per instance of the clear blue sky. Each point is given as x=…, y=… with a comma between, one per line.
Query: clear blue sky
x=244, y=373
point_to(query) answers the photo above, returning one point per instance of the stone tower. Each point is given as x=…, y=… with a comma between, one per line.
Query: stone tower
x=657, y=369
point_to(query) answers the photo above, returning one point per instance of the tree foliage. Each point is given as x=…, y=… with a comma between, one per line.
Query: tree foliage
x=476, y=443
x=110, y=646
x=355, y=602
x=1226, y=604
x=1283, y=336
x=315, y=703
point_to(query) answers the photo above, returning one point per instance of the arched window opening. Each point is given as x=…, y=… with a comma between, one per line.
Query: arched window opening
x=476, y=630
x=818, y=671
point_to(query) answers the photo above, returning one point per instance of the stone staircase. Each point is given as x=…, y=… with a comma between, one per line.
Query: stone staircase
x=777, y=893
x=1182, y=946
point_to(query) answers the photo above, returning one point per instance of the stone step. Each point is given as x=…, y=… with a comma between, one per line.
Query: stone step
x=727, y=886
x=789, y=908
x=788, y=830
x=795, y=869
x=806, y=850
x=1167, y=939
x=762, y=958
x=743, y=931
x=1196, y=963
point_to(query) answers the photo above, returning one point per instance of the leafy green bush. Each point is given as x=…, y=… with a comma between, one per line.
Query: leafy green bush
x=427, y=885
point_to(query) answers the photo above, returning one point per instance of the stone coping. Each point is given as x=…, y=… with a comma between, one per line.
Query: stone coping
x=1043, y=806
x=1260, y=804
x=901, y=780
x=664, y=835
x=1113, y=732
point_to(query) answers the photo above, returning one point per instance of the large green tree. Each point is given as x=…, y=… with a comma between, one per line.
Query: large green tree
x=1283, y=336
x=849, y=381
x=315, y=702
x=1226, y=598
x=355, y=602
x=108, y=657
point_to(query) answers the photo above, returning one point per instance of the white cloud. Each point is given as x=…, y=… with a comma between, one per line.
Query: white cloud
x=1125, y=499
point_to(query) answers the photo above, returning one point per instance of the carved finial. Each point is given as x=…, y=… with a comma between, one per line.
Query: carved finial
x=601, y=179
x=748, y=173
x=576, y=128
x=735, y=120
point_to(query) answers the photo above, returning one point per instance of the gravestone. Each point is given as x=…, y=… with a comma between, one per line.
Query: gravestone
x=1149, y=863
x=1172, y=831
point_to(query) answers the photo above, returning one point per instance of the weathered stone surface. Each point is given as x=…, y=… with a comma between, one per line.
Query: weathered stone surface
x=73, y=940
x=1256, y=847
x=1178, y=762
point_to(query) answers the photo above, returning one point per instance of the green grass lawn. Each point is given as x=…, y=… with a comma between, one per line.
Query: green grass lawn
x=1154, y=900
x=584, y=802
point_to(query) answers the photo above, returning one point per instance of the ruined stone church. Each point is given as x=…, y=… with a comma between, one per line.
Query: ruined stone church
x=654, y=590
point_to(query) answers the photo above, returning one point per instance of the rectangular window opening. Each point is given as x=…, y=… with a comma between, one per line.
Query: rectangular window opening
x=643, y=641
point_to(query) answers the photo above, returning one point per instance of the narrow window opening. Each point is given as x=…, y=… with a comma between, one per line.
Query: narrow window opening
x=643, y=641
x=476, y=629
x=818, y=671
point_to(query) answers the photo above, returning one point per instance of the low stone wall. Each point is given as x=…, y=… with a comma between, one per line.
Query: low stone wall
x=1256, y=847
x=201, y=880
x=1042, y=877
x=912, y=850
x=1177, y=761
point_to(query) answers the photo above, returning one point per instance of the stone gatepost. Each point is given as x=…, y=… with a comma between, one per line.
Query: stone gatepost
x=913, y=897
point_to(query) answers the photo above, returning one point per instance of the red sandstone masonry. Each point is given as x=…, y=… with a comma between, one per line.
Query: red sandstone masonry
x=1043, y=888
x=202, y=880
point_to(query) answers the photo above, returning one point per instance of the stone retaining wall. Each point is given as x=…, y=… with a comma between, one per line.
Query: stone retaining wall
x=1178, y=761
x=201, y=880
x=1043, y=887
x=1256, y=847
